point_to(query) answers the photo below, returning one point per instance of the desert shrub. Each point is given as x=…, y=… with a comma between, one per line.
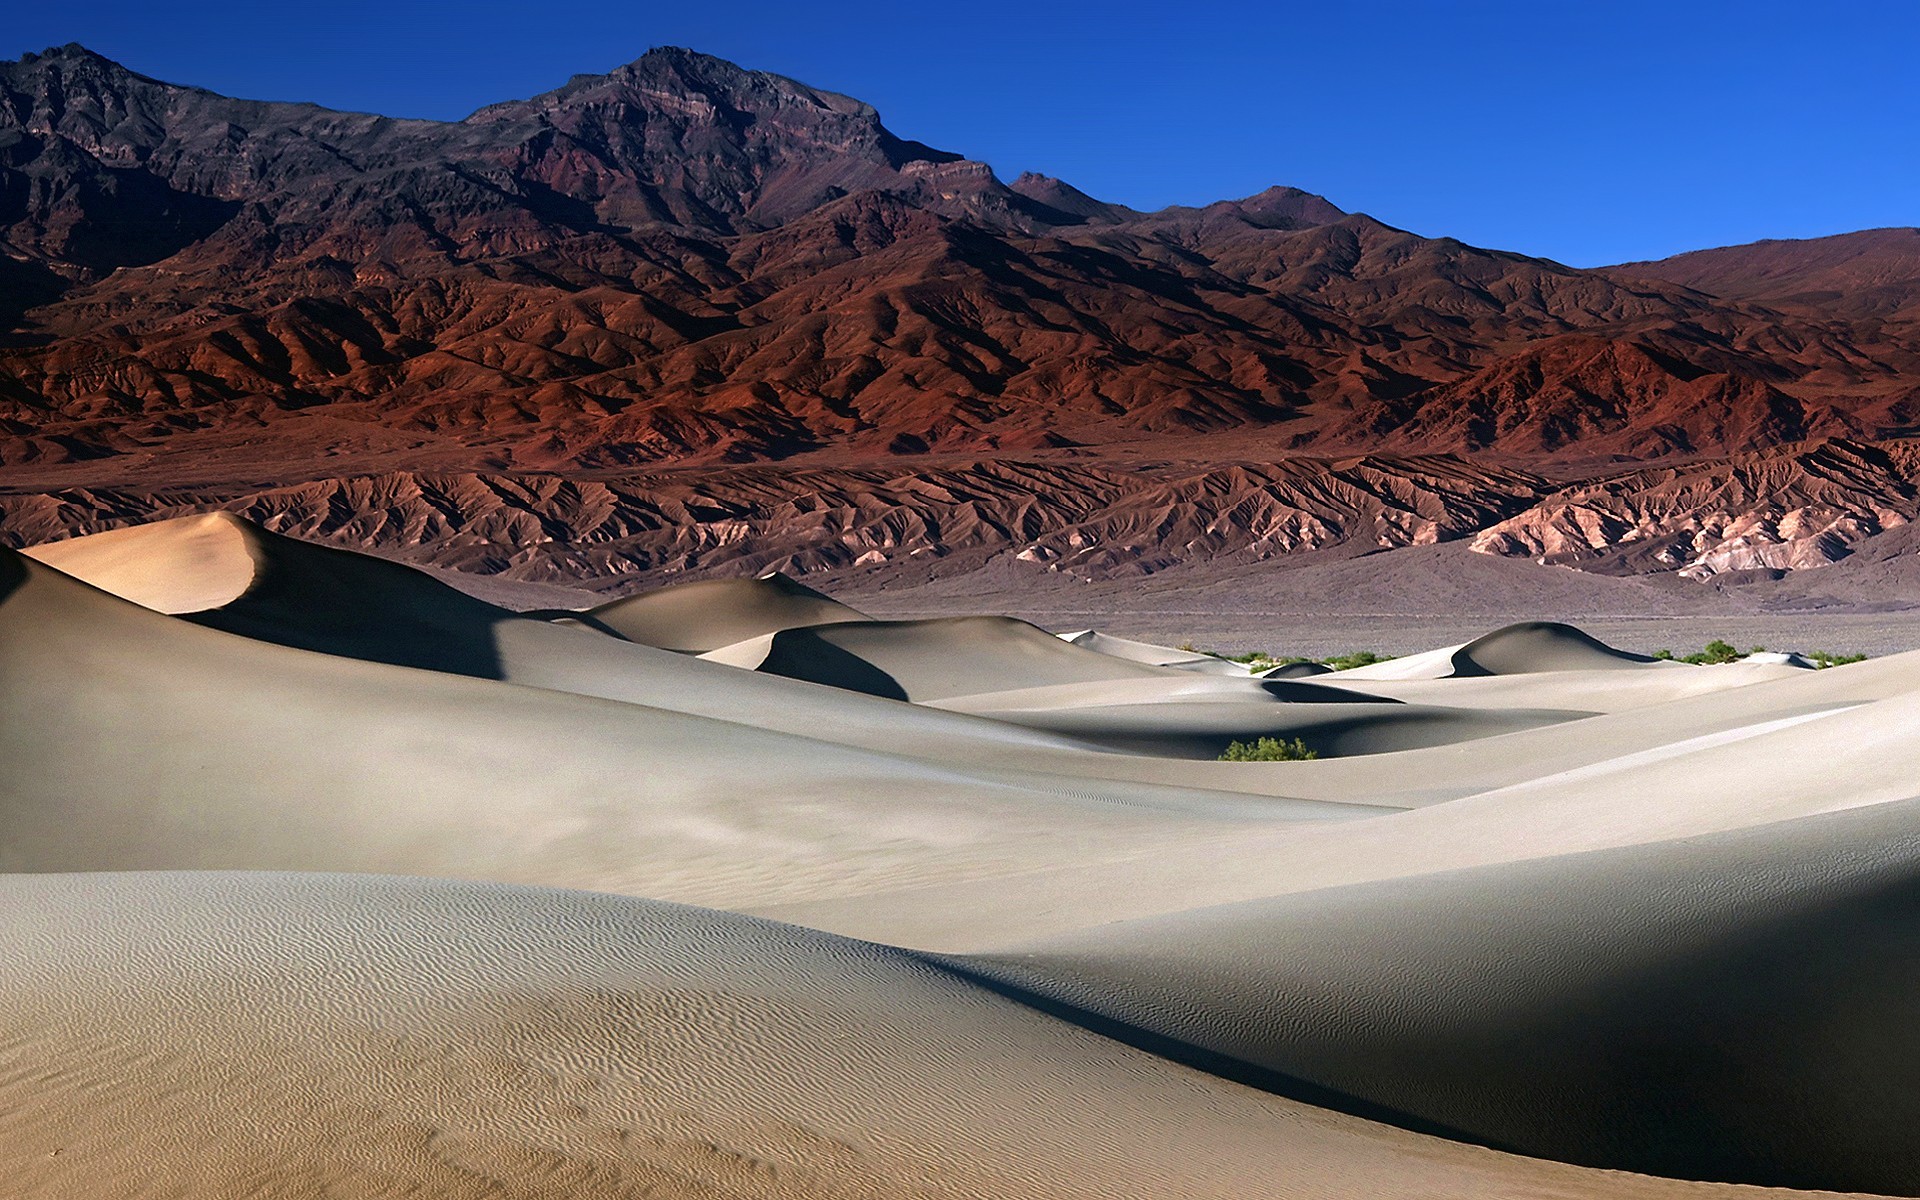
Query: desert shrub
x=1266, y=662
x=1721, y=651
x=1269, y=750
x=1359, y=658
x=1824, y=659
x=1263, y=660
x=1716, y=651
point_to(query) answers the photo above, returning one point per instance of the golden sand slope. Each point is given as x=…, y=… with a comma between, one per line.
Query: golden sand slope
x=185, y=565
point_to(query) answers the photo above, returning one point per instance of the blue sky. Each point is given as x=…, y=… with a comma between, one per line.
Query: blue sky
x=1586, y=132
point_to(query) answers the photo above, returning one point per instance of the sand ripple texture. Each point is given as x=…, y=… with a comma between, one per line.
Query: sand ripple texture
x=323, y=879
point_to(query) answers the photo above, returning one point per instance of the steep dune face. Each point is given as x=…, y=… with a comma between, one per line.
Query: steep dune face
x=1169, y=656
x=1525, y=648
x=1016, y=674
x=1012, y=672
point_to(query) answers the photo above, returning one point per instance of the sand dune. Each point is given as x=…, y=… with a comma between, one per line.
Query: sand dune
x=1201, y=725
x=1520, y=649
x=349, y=605
x=943, y=658
x=1588, y=690
x=179, y=566
x=1540, y=895
x=346, y=1037
x=1147, y=652
x=134, y=740
x=1819, y=760
x=1736, y=1007
x=703, y=616
x=1018, y=675
x=1541, y=646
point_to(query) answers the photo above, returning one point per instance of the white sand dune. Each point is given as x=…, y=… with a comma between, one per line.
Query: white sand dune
x=1016, y=674
x=1541, y=895
x=1428, y=664
x=1543, y=646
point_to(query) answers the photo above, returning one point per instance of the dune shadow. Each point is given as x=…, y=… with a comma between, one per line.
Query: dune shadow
x=13, y=573
x=311, y=597
x=1295, y=692
x=1199, y=1058
x=801, y=654
x=1735, y=1011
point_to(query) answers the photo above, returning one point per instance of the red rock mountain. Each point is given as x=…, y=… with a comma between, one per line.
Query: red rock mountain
x=1873, y=273
x=688, y=317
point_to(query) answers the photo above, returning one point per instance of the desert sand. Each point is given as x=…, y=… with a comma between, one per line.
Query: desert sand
x=323, y=878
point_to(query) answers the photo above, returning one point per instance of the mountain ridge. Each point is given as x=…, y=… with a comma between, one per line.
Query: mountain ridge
x=682, y=264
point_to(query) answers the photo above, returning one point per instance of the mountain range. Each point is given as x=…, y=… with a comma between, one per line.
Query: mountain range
x=688, y=318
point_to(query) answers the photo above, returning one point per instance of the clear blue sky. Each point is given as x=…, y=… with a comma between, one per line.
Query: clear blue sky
x=1587, y=132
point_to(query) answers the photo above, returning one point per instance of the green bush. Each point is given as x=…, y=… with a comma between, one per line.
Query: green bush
x=1716, y=651
x=1261, y=660
x=1824, y=659
x=1359, y=658
x=1722, y=651
x=1269, y=750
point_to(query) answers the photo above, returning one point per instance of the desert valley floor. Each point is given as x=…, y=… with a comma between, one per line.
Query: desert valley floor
x=324, y=878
